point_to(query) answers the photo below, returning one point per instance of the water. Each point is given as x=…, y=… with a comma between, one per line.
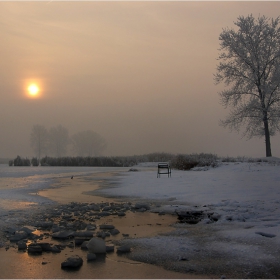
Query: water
x=24, y=187
x=22, y=184
x=26, y=171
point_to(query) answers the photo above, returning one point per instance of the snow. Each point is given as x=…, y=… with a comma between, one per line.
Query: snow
x=252, y=188
x=245, y=196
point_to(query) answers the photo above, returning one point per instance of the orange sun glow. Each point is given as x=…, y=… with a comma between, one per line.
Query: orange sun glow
x=33, y=89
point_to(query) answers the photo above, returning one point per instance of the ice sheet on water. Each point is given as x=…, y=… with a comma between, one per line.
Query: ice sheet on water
x=26, y=171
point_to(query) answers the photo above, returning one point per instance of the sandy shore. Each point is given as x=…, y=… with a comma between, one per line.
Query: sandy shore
x=19, y=265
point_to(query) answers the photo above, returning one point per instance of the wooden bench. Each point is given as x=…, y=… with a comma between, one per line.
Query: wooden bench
x=164, y=168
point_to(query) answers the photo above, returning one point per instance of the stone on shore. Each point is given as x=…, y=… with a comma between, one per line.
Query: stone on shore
x=46, y=247
x=91, y=257
x=43, y=224
x=84, y=233
x=110, y=248
x=121, y=214
x=63, y=234
x=28, y=229
x=140, y=206
x=96, y=246
x=114, y=231
x=123, y=249
x=84, y=245
x=106, y=227
x=34, y=248
x=55, y=249
x=19, y=235
x=72, y=262
x=22, y=245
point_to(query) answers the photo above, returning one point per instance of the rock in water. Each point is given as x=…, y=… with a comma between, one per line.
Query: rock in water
x=72, y=262
x=96, y=246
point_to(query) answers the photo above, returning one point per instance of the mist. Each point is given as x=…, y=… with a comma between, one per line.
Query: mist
x=140, y=74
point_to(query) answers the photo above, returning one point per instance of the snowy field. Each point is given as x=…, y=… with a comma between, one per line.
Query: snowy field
x=243, y=192
x=245, y=197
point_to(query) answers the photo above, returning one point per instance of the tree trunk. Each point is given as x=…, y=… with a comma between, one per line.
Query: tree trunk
x=267, y=138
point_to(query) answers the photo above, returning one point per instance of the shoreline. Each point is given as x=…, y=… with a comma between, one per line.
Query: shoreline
x=134, y=224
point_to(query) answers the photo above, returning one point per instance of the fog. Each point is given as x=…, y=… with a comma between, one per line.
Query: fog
x=140, y=74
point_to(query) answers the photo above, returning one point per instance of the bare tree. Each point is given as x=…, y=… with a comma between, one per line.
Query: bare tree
x=58, y=140
x=88, y=143
x=250, y=68
x=39, y=140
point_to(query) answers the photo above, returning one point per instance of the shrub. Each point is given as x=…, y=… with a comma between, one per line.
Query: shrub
x=187, y=162
x=242, y=159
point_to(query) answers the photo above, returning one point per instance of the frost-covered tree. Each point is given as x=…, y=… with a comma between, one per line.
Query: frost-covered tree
x=39, y=140
x=249, y=65
x=88, y=143
x=58, y=140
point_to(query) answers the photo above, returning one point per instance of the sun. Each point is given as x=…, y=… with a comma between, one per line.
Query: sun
x=33, y=90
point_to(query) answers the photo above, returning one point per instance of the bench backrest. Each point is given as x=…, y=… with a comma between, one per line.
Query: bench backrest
x=163, y=165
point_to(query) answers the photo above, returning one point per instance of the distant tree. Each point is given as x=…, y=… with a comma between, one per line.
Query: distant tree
x=34, y=161
x=88, y=143
x=18, y=161
x=250, y=64
x=39, y=140
x=58, y=140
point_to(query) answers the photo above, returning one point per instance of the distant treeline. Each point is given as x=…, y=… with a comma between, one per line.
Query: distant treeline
x=180, y=162
x=116, y=161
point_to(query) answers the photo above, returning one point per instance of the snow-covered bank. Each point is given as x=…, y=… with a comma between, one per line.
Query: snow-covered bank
x=229, y=185
x=245, y=197
x=245, y=192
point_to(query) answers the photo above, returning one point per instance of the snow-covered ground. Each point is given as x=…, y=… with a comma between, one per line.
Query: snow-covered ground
x=244, y=192
x=245, y=197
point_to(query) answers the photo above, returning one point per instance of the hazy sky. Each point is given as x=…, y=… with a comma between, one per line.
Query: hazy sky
x=138, y=73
